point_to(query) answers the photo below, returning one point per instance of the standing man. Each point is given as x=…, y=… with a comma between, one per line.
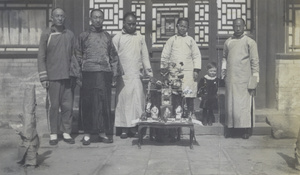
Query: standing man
x=182, y=49
x=54, y=60
x=133, y=53
x=240, y=64
x=100, y=66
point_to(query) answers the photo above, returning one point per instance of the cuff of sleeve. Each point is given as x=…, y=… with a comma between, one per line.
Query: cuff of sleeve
x=197, y=70
x=43, y=76
x=224, y=64
x=256, y=74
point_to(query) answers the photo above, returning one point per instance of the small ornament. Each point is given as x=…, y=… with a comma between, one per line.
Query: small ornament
x=167, y=113
x=154, y=112
x=178, y=112
x=148, y=109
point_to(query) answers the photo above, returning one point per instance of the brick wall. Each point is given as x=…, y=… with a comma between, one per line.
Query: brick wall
x=288, y=84
x=14, y=75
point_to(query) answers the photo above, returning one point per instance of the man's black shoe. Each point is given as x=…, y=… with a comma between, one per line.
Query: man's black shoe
x=53, y=142
x=86, y=142
x=106, y=140
x=70, y=140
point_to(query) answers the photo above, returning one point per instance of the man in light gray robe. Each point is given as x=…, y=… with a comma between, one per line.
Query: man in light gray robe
x=240, y=64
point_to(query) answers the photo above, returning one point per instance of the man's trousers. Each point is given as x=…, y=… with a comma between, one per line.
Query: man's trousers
x=60, y=100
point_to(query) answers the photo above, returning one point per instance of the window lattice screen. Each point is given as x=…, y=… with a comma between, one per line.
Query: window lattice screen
x=113, y=14
x=164, y=18
x=231, y=9
x=202, y=22
x=139, y=7
x=293, y=22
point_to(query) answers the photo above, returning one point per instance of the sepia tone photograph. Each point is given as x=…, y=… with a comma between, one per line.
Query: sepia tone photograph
x=150, y=87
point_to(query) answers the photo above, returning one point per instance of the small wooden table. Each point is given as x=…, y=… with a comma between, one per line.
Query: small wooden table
x=167, y=125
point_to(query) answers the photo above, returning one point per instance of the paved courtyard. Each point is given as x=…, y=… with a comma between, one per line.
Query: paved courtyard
x=212, y=154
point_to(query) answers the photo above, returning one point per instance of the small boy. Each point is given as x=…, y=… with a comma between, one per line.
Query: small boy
x=207, y=93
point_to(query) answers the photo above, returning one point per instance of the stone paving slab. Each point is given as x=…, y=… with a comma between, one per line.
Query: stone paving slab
x=259, y=155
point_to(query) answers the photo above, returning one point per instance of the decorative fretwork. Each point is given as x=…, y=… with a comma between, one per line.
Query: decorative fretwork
x=22, y=23
x=202, y=22
x=293, y=23
x=113, y=14
x=139, y=7
x=231, y=9
x=164, y=18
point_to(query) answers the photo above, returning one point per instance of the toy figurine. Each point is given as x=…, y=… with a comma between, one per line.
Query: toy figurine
x=178, y=112
x=167, y=114
x=148, y=109
x=154, y=112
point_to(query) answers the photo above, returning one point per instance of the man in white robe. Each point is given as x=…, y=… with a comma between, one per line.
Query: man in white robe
x=240, y=63
x=134, y=58
x=182, y=49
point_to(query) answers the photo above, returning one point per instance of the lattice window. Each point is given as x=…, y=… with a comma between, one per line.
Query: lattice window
x=139, y=7
x=202, y=22
x=113, y=14
x=164, y=18
x=228, y=10
x=21, y=24
x=293, y=25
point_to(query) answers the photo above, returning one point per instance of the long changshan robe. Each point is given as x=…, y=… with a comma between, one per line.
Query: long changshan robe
x=183, y=49
x=242, y=62
x=134, y=58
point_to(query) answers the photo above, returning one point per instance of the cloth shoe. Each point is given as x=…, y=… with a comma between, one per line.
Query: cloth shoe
x=103, y=138
x=246, y=134
x=53, y=139
x=68, y=139
x=123, y=135
x=106, y=139
x=86, y=140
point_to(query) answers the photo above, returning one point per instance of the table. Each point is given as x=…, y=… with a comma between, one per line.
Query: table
x=165, y=125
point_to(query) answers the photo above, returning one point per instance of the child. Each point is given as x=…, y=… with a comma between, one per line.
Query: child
x=207, y=91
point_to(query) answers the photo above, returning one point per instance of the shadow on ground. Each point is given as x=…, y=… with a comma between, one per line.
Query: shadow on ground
x=290, y=161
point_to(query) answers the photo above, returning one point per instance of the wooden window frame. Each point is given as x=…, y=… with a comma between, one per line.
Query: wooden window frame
x=20, y=50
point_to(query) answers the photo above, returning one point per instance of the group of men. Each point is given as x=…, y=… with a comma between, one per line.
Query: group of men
x=98, y=62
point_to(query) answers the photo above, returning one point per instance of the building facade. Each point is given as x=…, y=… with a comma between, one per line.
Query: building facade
x=274, y=24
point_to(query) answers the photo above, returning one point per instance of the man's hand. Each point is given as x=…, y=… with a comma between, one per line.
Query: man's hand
x=195, y=75
x=45, y=84
x=252, y=92
x=223, y=73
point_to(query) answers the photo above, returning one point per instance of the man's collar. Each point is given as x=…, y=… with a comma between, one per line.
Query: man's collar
x=181, y=35
x=234, y=37
x=94, y=29
x=54, y=29
x=124, y=32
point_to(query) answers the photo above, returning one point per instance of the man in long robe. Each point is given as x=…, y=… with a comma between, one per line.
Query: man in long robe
x=100, y=66
x=240, y=63
x=133, y=54
x=182, y=49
